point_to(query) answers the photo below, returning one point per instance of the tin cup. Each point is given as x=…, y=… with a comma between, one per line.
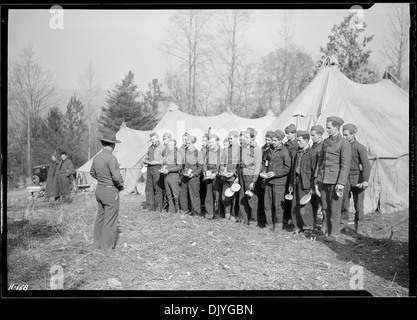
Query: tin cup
x=249, y=193
x=189, y=171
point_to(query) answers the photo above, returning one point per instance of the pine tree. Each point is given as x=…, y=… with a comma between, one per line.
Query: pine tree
x=352, y=56
x=53, y=132
x=123, y=106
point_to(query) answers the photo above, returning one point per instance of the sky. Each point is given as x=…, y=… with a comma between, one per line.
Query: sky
x=121, y=40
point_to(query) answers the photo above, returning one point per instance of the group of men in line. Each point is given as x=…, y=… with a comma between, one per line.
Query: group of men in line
x=59, y=180
x=247, y=183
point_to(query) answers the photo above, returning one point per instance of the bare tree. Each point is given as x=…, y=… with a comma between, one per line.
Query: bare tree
x=229, y=52
x=30, y=88
x=188, y=43
x=90, y=93
x=396, y=43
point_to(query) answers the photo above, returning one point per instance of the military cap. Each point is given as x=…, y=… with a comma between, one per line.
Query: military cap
x=167, y=134
x=109, y=137
x=205, y=135
x=303, y=133
x=154, y=134
x=279, y=134
x=192, y=138
x=335, y=120
x=233, y=133
x=242, y=133
x=318, y=128
x=215, y=136
x=350, y=127
x=253, y=132
x=269, y=134
x=290, y=129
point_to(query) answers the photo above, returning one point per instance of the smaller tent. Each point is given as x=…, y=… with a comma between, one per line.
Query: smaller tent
x=131, y=149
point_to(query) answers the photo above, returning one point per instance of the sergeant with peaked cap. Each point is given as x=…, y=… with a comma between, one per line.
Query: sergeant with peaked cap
x=316, y=133
x=358, y=181
x=250, y=163
x=277, y=170
x=211, y=171
x=303, y=172
x=105, y=169
x=333, y=172
x=190, y=180
x=154, y=180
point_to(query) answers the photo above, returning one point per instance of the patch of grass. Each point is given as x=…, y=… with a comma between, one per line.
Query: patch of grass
x=172, y=252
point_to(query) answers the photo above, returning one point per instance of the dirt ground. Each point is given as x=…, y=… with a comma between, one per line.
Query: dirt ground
x=173, y=252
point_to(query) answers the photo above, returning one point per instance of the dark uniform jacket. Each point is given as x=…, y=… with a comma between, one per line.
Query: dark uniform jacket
x=266, y=156
x=280, y=164
x=52, y=185
x=317, y=146
x=173, y=160
x=359, y=157
x=251, y=161
x=105, y=169
x=230, y=160
x=213, y=160
x=307, y=161
x=192, y=160
x=334, y=161
x=156, y=153
x=66, y=171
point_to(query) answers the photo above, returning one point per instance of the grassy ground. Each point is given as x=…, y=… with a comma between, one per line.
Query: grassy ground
x=172, y=252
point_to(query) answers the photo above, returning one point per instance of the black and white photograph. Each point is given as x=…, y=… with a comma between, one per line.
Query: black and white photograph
x=194, y=150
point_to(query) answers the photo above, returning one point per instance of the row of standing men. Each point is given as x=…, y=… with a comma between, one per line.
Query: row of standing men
x=205, y=182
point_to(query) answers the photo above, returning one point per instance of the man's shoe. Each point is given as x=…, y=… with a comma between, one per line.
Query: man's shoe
x=330, y=238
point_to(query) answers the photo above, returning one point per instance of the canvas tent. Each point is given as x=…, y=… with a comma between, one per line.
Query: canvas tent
x=177, y=123
x=381, y=113
x=133, y=146
x=134, y=143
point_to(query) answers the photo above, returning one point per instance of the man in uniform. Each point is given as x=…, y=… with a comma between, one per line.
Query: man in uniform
x=316, y=133
x=303, y=172
x=211, y=171
x=65, y=178
x=202, y=157
x=173, y=161
x=333, y=172
x=277, y=169
x=105, y=169
x=190, y=180
x=228, y=174
x=154, y=182
x=266, y=152
x=359, y=173
x=292, y=146
x=251, y=162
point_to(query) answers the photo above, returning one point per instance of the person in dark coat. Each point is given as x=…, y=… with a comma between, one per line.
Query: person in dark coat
x=202, y=155
x=292, y=146
x=65, y=177
x=266, y=153
x=302, y=179
x=105, y=169
x=190, y=179
x=333, y=173
x=316, y=133
x=277, y=169
x=52, y=185
x=359, y=174
x=173, y=162
x=154, y=187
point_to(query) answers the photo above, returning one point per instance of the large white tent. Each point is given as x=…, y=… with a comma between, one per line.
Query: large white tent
x=381, y=113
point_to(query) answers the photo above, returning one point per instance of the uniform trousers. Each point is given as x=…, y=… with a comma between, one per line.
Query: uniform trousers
x=358, y=195
x=154, y=188
x=248, y=205
x=274, y=203
x=105, y=226
x=190, y=193
x=213, y=188
x=229, y=203
x=172, y=190
x=332, y=206
x=301, y=215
